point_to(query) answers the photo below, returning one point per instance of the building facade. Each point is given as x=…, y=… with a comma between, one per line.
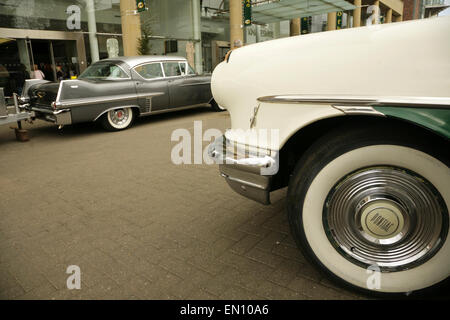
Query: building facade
x=63, y=37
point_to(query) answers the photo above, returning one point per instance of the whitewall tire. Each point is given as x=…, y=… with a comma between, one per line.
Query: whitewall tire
x=118, y=119
x=363, y=203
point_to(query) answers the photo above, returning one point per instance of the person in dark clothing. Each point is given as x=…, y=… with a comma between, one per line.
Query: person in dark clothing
x=59, y=73
x=22, y=75
x=18, y=75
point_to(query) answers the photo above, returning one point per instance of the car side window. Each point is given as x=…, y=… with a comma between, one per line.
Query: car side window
x=183, y=68
x=104, y=70
x=190, y=69
x=150, y=70
x=116, y=72
x=186, y=69
x=172, y=69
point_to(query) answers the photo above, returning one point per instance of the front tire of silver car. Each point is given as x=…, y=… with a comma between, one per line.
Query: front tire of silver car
x=118, y=119
x=372, y=210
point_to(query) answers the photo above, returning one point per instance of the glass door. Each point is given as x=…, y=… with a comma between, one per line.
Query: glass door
x=65, y=59
x=22, y=59
x=41, y=58
x=56, y=59
x=9, y=66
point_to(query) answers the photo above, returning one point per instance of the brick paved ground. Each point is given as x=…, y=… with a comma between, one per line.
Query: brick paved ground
x=139, y=226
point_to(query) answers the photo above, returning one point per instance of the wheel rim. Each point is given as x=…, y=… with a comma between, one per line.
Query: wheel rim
x=120, y=117
x=385, y=216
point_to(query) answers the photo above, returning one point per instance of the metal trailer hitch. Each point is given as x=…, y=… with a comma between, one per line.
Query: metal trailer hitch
x=17, y=116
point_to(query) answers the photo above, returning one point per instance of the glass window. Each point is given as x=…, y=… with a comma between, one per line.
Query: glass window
x=172, y=69
x=190, y=69
x=104, y=70
x=150, y=71
x=183, y=68
x=61, y=15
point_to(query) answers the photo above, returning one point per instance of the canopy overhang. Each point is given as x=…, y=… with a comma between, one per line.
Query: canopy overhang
x=289, y=9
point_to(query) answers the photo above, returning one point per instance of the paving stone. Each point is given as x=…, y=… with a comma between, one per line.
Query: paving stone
x=245, y=244
x=145, y=230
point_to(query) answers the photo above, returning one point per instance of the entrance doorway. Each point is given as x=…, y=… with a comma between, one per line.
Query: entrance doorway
x=39, y=52
x=19, y=59
x=57, y=59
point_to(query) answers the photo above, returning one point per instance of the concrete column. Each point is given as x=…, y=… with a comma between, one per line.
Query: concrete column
x=357, y=14
x=331, y=21
x=276, y=30
x=377, y=13
x=294, y=27
x=131, y=27
x=398, y=18
x=236, y=28
x=24, y=55
x=258, y=33
x=196, y=26
x=92, y=28
x=389, y=16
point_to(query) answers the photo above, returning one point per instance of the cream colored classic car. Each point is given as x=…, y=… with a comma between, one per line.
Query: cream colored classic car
x=356, y=123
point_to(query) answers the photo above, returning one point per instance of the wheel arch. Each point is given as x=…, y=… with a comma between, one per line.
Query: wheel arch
x=298, y=143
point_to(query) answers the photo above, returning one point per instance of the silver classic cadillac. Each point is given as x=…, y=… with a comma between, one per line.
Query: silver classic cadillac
x=116, y=91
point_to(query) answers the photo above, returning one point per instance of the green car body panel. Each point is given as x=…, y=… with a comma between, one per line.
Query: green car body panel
x=437, y=120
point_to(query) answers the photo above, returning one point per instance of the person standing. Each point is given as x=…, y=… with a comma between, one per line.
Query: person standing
x=38, y=74
x=21, y=75
x=59, y=73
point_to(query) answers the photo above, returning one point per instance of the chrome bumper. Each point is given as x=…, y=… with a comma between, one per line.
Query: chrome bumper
x=248, y=173
x=58, y=116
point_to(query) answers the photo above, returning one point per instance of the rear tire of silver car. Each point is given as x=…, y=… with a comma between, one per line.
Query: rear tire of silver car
x=216, y=107
x=118, y=119
x=357, y=203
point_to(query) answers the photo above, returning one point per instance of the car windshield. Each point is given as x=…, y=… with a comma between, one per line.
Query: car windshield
x=104, y=70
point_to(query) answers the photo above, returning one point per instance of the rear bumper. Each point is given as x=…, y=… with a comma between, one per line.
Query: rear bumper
x=58, y=116
x=248, y=173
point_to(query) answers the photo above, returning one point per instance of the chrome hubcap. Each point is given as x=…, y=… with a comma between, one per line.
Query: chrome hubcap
x=119, y=116
x=386, y=216
x=381, y=220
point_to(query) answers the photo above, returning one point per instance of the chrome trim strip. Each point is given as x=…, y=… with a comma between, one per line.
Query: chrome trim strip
x=361, y=101
x=194, y=84
x=159, y=61
x=175, y=109
x=47, y=111
x=87, y=101
x=150, y=95
x=358, y=110
x=58, y=95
